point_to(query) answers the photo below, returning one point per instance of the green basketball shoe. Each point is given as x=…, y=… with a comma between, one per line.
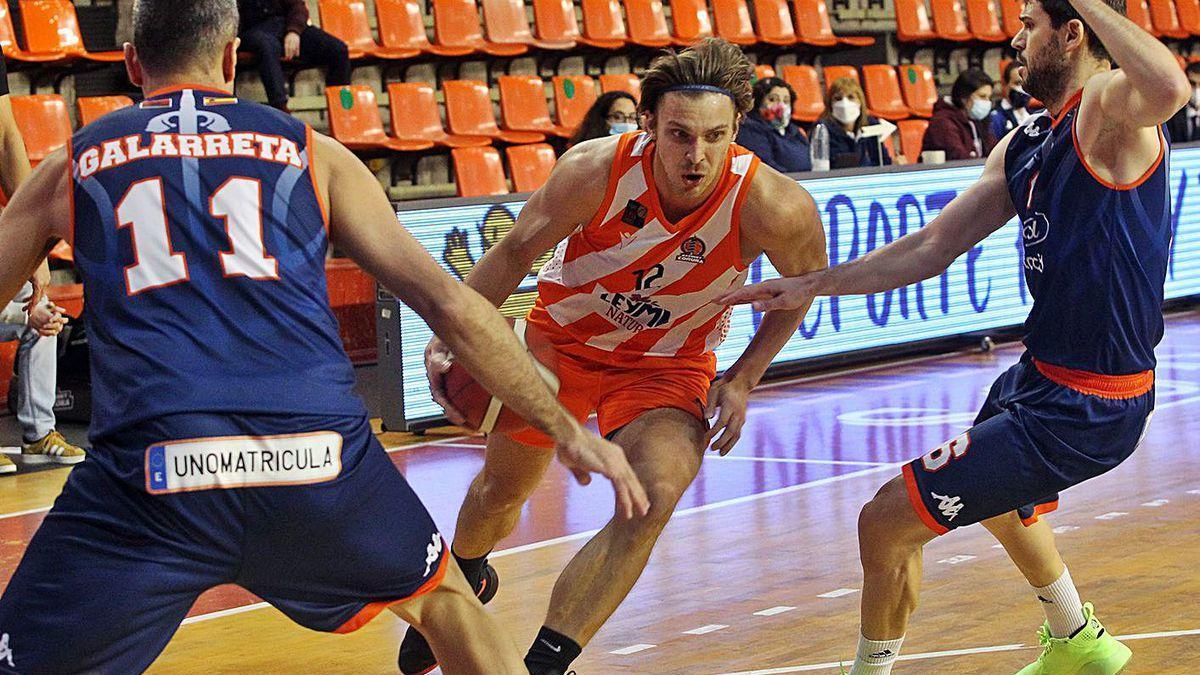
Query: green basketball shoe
x=1091, y=651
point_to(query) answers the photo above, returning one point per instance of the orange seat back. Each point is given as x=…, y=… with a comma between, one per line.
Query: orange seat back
x=731, y=20
x=763, y=70
x=810, y=98
x=950, y=20
x=401, y=24
x=414, y=111
x=627, y=82
x=530, y=165
x=469, y=108
x=834, y=73
x=883, y=92
x=912, y=21
x=912, y=135
x=478, y=172
x=456, y=23
x=602, y=20
x=506, y=22
x=1165, y=19
x=92, y=108
x=984, y=20
x=1010, y=16
x=1189, y=16
x=691, y=20
x=347, y=21
x=44, y=122
x=555, y=20
x=918, y=88
x=774, y=21
x=51, y=26
x=573, y=97
x=354, y=114
x=523, y=105
x=647, y=21
x=1139, y=13
x=812, y=23
x=8, y=34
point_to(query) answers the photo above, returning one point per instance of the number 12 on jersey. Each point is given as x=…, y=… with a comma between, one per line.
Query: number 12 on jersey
x=238, y=202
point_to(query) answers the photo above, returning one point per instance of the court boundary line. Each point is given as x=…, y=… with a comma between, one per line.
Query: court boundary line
x=922, y=656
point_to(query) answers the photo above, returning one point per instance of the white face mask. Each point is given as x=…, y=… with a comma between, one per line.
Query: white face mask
x=621, y=128
x=846, y=111
x=1196, y=97
x=980, y=109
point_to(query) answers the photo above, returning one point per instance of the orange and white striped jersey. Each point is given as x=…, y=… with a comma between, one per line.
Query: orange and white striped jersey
x=629, y=285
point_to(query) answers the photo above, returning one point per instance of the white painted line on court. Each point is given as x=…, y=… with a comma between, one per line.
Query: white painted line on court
x=1063, y=529
x=632, y=649
x=702, y=630
x=956, y=559
x=838, y=593
x=774, y=610
x=1194, y=492
x=225, y=612
x=952, y=652
x=793, y=460
x=1156, y=503
x=1111, y=515
x=18, y=514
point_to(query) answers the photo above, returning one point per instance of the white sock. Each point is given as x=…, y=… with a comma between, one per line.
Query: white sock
x=1064, y=609
x=876, y=657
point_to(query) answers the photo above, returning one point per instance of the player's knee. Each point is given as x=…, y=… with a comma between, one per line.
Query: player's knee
x=880, y=535
x=663, y=495
x=494, y=494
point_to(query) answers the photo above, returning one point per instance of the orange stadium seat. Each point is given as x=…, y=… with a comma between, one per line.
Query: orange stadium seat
x=402, y=27
x=478, y=172
x=1166, y=20
x=627, y=82
x=354, y=120
x=530, y=165
x=647, y=23
x=51, y=27
x=1139, y=13
x=919, y=89
x=691, y=21
x=469, y=113
x=523, y=105
x=883, y=92
x=912, y=133
x=984, y=20
x=573, y=97
x=507, y=24
x=44, y=123
x=12, y=50
x=603, y=25
x=764, y=70
x=774, y=21
x=1010, y=16
x=810, y=98
x=92, y=108
x=1189, y=15
x=415, y=117
x=456, y=24
x=731, y=21
x=912, y=21
x=347, y=21
x=813, y=27
x=950, y=21
x=554, y=23
x=832, y=73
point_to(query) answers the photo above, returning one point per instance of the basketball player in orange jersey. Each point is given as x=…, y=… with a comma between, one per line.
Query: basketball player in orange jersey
x=650, y=229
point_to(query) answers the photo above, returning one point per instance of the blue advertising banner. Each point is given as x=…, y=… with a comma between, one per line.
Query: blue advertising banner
x=983, y=290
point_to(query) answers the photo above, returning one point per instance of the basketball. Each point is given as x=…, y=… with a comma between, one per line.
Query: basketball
x=486, y=412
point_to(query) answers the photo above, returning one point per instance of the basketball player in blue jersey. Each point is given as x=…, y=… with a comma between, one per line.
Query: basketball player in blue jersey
x=228, y=446
x=1088, y=182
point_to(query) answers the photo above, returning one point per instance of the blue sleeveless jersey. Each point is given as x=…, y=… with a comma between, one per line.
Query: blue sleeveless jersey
x=201, y=241
x=1095, y=254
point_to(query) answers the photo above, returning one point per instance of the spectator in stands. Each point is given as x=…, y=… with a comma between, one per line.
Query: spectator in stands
x=278, y=30
x=1012, y=109
x=1184, y=127
x=959, y=127
x=613, y=113
x=768, y=130
x=845, y=118
x=33, y=321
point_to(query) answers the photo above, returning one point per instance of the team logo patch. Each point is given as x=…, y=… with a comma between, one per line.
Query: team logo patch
x=635, y=311
x=692, y=250
x=1035, y=229
x=634, y=214
x=243, y=461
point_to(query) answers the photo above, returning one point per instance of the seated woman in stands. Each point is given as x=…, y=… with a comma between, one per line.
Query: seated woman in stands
x=614, y=112
x=769, y=132
x=845, y=118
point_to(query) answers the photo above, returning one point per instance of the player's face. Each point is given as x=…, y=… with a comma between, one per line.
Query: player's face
x=692, y=134
x=1044, y=65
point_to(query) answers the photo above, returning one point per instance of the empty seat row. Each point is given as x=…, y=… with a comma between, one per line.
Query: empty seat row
x=45, y=123
x=506, y=31
x=478, y=171
x=893, y=92
x=52, y=35
x=951, y=21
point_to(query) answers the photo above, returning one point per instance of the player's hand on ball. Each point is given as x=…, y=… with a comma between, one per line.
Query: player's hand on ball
x=585, y=453
x=787, y=293
x=437, y=363
x=727, y=399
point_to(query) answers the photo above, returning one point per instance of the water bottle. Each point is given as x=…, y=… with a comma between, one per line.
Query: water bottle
x=819, y=148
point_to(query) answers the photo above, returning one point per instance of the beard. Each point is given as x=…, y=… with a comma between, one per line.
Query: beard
x=1046, y=79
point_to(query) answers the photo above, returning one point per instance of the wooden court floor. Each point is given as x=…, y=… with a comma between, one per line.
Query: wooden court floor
x=758, y=571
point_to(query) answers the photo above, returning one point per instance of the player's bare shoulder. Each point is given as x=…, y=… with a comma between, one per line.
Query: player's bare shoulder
x=579, y=181
x=777, y=207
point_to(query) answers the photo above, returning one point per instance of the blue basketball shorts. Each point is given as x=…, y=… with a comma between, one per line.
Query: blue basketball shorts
x=307, y=512
x=1034, y=437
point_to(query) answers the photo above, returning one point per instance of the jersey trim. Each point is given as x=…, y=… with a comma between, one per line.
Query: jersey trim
x=71, y=191
x=1096, y=384
x=1162, y=144
x=1070, y=105
x=615, y=172
x=735, y=225
x=372, y=610
x=312, y=174
x=181, y=87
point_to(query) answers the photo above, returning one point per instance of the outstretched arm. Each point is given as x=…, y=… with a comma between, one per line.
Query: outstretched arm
x=982, y=209
x=35, y=219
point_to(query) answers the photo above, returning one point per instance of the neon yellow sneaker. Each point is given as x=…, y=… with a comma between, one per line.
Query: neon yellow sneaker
x=6, y=464
x=1092, y=651
x=52, y=448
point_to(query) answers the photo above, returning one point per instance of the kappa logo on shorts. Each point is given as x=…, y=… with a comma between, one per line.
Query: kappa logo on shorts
x=6, y=654
x=433, y=552
x=949, y=506
x=692, y=250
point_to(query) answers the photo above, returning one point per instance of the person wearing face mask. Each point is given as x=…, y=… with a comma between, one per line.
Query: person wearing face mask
x=614, y=113
x=1011, y=110
x=959, y=127
x=844, y=118
x=769, y=132
x=1184, y=127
